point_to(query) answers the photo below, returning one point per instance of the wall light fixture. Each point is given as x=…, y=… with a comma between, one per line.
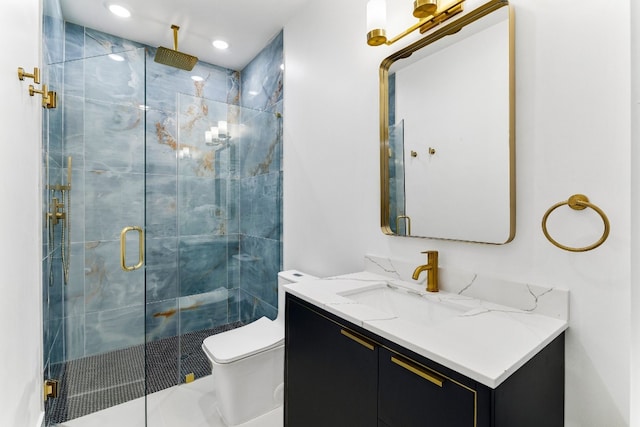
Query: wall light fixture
x=430, y=13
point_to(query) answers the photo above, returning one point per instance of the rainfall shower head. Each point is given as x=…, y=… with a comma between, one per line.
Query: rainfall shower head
x=173, y=57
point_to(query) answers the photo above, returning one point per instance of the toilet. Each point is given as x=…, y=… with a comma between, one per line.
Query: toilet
x=247, y=363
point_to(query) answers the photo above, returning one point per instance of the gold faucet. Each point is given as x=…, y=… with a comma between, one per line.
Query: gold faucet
x=432, y=271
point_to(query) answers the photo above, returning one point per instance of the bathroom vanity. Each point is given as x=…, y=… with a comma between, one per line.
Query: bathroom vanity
x=350, y=360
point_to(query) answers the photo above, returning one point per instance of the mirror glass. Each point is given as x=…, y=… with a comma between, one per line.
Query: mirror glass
x=447, y=132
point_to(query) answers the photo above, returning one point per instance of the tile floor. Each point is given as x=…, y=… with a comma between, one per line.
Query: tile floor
x=184, y=405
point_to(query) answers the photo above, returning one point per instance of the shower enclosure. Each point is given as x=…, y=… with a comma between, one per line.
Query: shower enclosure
x=173, y=225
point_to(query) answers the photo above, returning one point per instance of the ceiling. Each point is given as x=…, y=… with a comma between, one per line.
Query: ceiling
x=247, y=25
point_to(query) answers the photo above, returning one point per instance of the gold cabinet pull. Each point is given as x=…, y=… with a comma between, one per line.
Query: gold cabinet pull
x=358, y=339
x=123, y=248
x=421, y=372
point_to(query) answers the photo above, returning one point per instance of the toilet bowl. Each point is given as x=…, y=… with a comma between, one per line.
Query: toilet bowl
x=247, y=363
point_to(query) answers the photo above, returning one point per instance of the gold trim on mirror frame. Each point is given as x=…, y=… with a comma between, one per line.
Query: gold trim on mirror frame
x=385, y=65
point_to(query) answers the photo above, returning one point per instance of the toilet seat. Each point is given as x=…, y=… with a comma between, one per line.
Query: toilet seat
x=230, y=346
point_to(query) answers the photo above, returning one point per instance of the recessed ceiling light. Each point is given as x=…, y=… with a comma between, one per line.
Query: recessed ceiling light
x=197, y=78
x=116, y=57
x=120, y=11
x=220, y=44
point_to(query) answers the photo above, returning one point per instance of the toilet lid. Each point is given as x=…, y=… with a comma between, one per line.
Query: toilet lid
x=229, y=346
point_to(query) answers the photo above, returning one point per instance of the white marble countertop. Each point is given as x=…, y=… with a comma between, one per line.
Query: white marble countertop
x=487, y=341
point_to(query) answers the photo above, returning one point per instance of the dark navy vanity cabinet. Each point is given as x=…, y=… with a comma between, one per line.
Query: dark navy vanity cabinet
x=340, y=375
x=330, y=379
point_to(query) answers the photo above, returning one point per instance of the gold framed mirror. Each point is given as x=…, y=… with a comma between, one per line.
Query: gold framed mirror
x=447, y=131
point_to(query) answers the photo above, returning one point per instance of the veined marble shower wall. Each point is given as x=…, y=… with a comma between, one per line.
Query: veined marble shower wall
x=52, y=157
x=260, y=182
x=212, y=214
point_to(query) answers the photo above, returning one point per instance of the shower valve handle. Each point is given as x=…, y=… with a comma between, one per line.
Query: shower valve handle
x=57, y=211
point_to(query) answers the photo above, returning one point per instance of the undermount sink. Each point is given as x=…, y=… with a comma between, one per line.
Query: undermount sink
x=415, y=306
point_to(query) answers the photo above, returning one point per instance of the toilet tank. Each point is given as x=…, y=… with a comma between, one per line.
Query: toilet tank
x=285, y=278
x=292, y=276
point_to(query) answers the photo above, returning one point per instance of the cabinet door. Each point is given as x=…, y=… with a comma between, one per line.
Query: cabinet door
x=412, y=395
x=330, y=372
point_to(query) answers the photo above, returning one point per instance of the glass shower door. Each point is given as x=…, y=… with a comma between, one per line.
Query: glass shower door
x=94, y=273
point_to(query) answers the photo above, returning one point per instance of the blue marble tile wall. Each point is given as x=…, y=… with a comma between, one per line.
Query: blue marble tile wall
x=397, y=205
x=135, y=130
x=104, y=130
x=52, y=165
x=260, y=181
x=396, y=165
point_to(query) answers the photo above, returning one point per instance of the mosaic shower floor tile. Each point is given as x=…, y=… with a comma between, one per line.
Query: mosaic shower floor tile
x=99, y=382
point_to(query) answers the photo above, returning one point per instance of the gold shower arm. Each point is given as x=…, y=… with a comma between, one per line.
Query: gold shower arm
x=175, y=29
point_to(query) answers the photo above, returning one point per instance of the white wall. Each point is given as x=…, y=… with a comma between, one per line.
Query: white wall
x=20, y=235
x=635, y=210
x=573, y=136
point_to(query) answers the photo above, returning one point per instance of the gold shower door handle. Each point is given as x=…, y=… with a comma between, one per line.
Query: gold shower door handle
x=123, y=248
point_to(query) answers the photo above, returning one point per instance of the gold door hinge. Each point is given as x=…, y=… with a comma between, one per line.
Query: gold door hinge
x=50, y=389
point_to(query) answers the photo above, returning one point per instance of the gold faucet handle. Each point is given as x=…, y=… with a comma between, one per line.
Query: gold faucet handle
x=432, y=270
x=431, y=255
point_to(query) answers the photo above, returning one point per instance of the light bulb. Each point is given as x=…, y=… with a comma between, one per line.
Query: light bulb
x=376, y=21
x=376, y=15
x=214, y=133
x=222, y=129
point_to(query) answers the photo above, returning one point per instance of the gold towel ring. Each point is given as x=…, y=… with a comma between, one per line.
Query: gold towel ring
x=577, y=202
